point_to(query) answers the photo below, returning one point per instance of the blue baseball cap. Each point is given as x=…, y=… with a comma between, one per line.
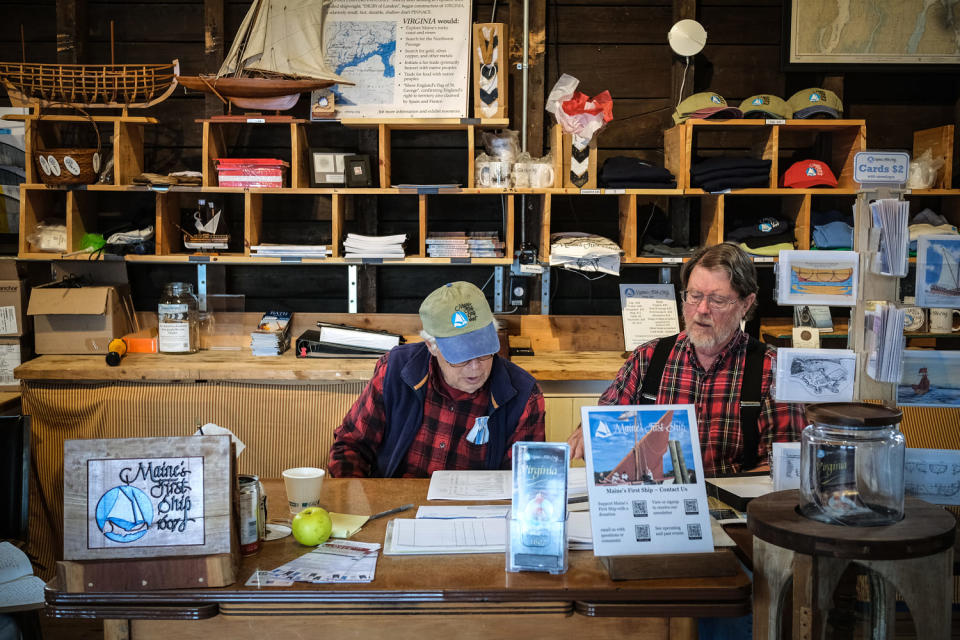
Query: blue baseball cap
x=459, y=317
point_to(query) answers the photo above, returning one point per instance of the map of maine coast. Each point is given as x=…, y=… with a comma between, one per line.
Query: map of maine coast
x=363, y=52
x=921, y=30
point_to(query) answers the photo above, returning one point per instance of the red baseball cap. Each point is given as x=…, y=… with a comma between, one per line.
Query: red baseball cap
x=808, y=173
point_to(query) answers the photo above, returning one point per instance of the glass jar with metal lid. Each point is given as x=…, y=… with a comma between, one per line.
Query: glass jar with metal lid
x=178, y=329
x=851, y=464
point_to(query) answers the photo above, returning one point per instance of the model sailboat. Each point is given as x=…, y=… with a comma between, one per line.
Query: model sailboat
x=276, y=55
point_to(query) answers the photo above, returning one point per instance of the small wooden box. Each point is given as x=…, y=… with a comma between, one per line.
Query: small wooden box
x=489, y=70
x=939, y=141
x=576, y=166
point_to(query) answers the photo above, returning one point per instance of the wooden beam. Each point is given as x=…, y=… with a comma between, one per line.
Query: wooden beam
x=681, y=86
x=536, y=75
x=71, y=31
x=213, y=50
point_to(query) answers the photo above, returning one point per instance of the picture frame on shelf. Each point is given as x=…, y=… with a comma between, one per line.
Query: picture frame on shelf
x=356, y=171
x=327, y=167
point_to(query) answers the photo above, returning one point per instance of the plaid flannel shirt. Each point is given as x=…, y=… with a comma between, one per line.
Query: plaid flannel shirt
x=441, y=443
x=715, y=393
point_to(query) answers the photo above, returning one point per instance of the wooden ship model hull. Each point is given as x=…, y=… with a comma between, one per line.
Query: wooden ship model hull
x=88, y=85
x=276, y=94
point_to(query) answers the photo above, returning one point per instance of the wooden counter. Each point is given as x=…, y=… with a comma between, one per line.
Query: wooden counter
x=240, y=366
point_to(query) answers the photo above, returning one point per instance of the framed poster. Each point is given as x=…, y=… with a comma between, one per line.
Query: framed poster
x=860, y=32
x=938, y=271
x=407, y=59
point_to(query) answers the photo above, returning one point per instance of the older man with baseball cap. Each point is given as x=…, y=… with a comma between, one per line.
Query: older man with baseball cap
x=448, y=402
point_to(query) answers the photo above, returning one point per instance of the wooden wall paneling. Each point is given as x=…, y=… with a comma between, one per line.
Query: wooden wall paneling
x=510, y=223
x=214, y=147
x=213, y=50
x=423, y=212
x=545, y=229
x=765, y=147
x=797, y=209
x=846, y=143
x=711, y=220
x=338, y=206
x=471, y=156
x=676, y=154
x=681, y=77
x=71, y=31
x=128, y=151
x=536, y=71
x=169, y=238
x=252, y=220
x=82, y=208
x=628, y=225
x=39, y=23
x=384, y=156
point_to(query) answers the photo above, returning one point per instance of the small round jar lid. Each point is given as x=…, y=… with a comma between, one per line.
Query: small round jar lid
x=853, y=414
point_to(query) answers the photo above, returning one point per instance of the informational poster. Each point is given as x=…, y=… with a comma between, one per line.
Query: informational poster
x=406, y=58
x=645, y=480
x=649, y=311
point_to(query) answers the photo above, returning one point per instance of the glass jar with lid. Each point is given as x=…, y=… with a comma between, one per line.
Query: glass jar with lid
x=851, y=464
x=178, y=329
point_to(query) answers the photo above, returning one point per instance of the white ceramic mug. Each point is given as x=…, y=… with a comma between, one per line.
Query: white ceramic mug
x=493, y=174
x=303, y=486
x=941, y=320
x=536, y=175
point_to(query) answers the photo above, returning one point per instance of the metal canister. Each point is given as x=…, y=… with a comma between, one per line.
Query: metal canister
x=252, y=519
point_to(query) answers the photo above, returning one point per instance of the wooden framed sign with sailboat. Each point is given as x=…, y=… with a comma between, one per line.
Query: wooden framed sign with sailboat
x=161, y=504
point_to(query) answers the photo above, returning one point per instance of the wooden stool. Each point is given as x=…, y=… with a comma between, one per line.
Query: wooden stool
x=914, y=557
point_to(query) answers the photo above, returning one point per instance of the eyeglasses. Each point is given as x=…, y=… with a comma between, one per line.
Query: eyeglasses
x=478, y=360
x=716, y=303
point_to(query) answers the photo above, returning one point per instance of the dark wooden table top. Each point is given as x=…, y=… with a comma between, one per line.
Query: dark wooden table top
x=432, y=578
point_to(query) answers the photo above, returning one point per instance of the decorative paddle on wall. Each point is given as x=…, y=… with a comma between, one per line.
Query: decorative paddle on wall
x=489, y=74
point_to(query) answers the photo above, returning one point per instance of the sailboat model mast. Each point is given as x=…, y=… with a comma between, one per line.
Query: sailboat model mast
x=276, y=55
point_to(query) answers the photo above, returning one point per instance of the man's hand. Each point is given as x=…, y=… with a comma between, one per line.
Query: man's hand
x=576, y=444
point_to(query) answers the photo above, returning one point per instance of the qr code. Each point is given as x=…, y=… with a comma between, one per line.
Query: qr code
x=639, y=508
x=690, y=507
x=693, y=532
x=643, y=532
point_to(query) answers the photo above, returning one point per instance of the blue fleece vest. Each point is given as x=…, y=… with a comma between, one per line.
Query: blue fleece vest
x=404, y=390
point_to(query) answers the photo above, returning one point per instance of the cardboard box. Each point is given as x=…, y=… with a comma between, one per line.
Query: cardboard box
x=13, y=353
x=13, y=300
x=81, y=319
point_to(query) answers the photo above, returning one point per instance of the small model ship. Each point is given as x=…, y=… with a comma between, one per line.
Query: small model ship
x=276, y=55
x=32, y=84
x=208, y=236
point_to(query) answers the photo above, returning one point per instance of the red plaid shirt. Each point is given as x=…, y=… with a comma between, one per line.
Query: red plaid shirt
x=716, y=396
x=441, y=443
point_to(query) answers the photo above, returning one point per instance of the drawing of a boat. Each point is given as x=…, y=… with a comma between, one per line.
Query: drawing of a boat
x=819, y=275
x=644, y=463
x=125, y=518
x=821, y=280
x=948, y=284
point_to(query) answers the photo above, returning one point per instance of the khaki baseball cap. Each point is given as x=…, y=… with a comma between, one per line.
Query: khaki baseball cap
x=705, y=104
x=815, y=102
x=765, y=105
x=459, y=317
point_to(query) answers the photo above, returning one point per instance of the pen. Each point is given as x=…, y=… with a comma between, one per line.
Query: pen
x=390, y=512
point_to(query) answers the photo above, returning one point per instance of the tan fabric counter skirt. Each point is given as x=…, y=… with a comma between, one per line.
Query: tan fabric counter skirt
x=282, y=425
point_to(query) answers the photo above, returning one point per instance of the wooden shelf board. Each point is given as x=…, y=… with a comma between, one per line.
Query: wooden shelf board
x=810, y=125
x=425, y=123
x=253, y=118
x=933, y=192
x=773, y=192
x=74, y=118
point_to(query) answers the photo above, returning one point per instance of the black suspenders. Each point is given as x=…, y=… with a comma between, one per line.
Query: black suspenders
x=749, y=391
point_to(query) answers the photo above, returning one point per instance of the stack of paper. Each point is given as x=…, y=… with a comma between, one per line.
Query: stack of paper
x=358, y=246
x=357, y=337
x=334, y=561
x=885, y=342
x=458, y=244
x=445, y=536
x=290, y=250
x=585, y=252
x=891, y=218
x=272, y=335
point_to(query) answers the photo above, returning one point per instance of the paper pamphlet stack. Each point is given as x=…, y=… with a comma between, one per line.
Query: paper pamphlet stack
x=333, y=561
x=272, y=335
x=891, y=218
x=357, y=337
x=458, y=244
x=290, y=250
x=885, y=342
x=358, y=246
x=584, y=252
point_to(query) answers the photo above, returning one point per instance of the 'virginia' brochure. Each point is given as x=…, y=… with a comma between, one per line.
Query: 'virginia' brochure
x=645, y=480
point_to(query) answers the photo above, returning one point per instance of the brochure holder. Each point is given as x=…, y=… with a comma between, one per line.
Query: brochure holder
x=537, y=539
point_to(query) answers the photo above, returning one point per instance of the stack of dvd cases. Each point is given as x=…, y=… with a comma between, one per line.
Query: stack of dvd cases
x=538, y=519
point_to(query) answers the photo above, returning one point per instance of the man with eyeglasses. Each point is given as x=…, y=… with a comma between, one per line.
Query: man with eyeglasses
x=713, y=365
x=448, y=402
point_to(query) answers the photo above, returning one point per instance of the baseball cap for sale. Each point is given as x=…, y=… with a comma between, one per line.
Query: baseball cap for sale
x=814, y=102
x=808, y=173
x=705, y=104
x=458, y=316
x=764, y=105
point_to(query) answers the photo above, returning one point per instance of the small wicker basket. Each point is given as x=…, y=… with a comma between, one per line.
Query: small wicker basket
x=70, y=165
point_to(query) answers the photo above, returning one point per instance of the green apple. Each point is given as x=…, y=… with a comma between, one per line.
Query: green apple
x=312, y=526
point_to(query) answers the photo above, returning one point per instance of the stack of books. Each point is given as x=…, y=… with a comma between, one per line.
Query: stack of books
x=290, y=250
x=339, y=340
x=358, y=246
x=459, y=244
x=272, y=335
